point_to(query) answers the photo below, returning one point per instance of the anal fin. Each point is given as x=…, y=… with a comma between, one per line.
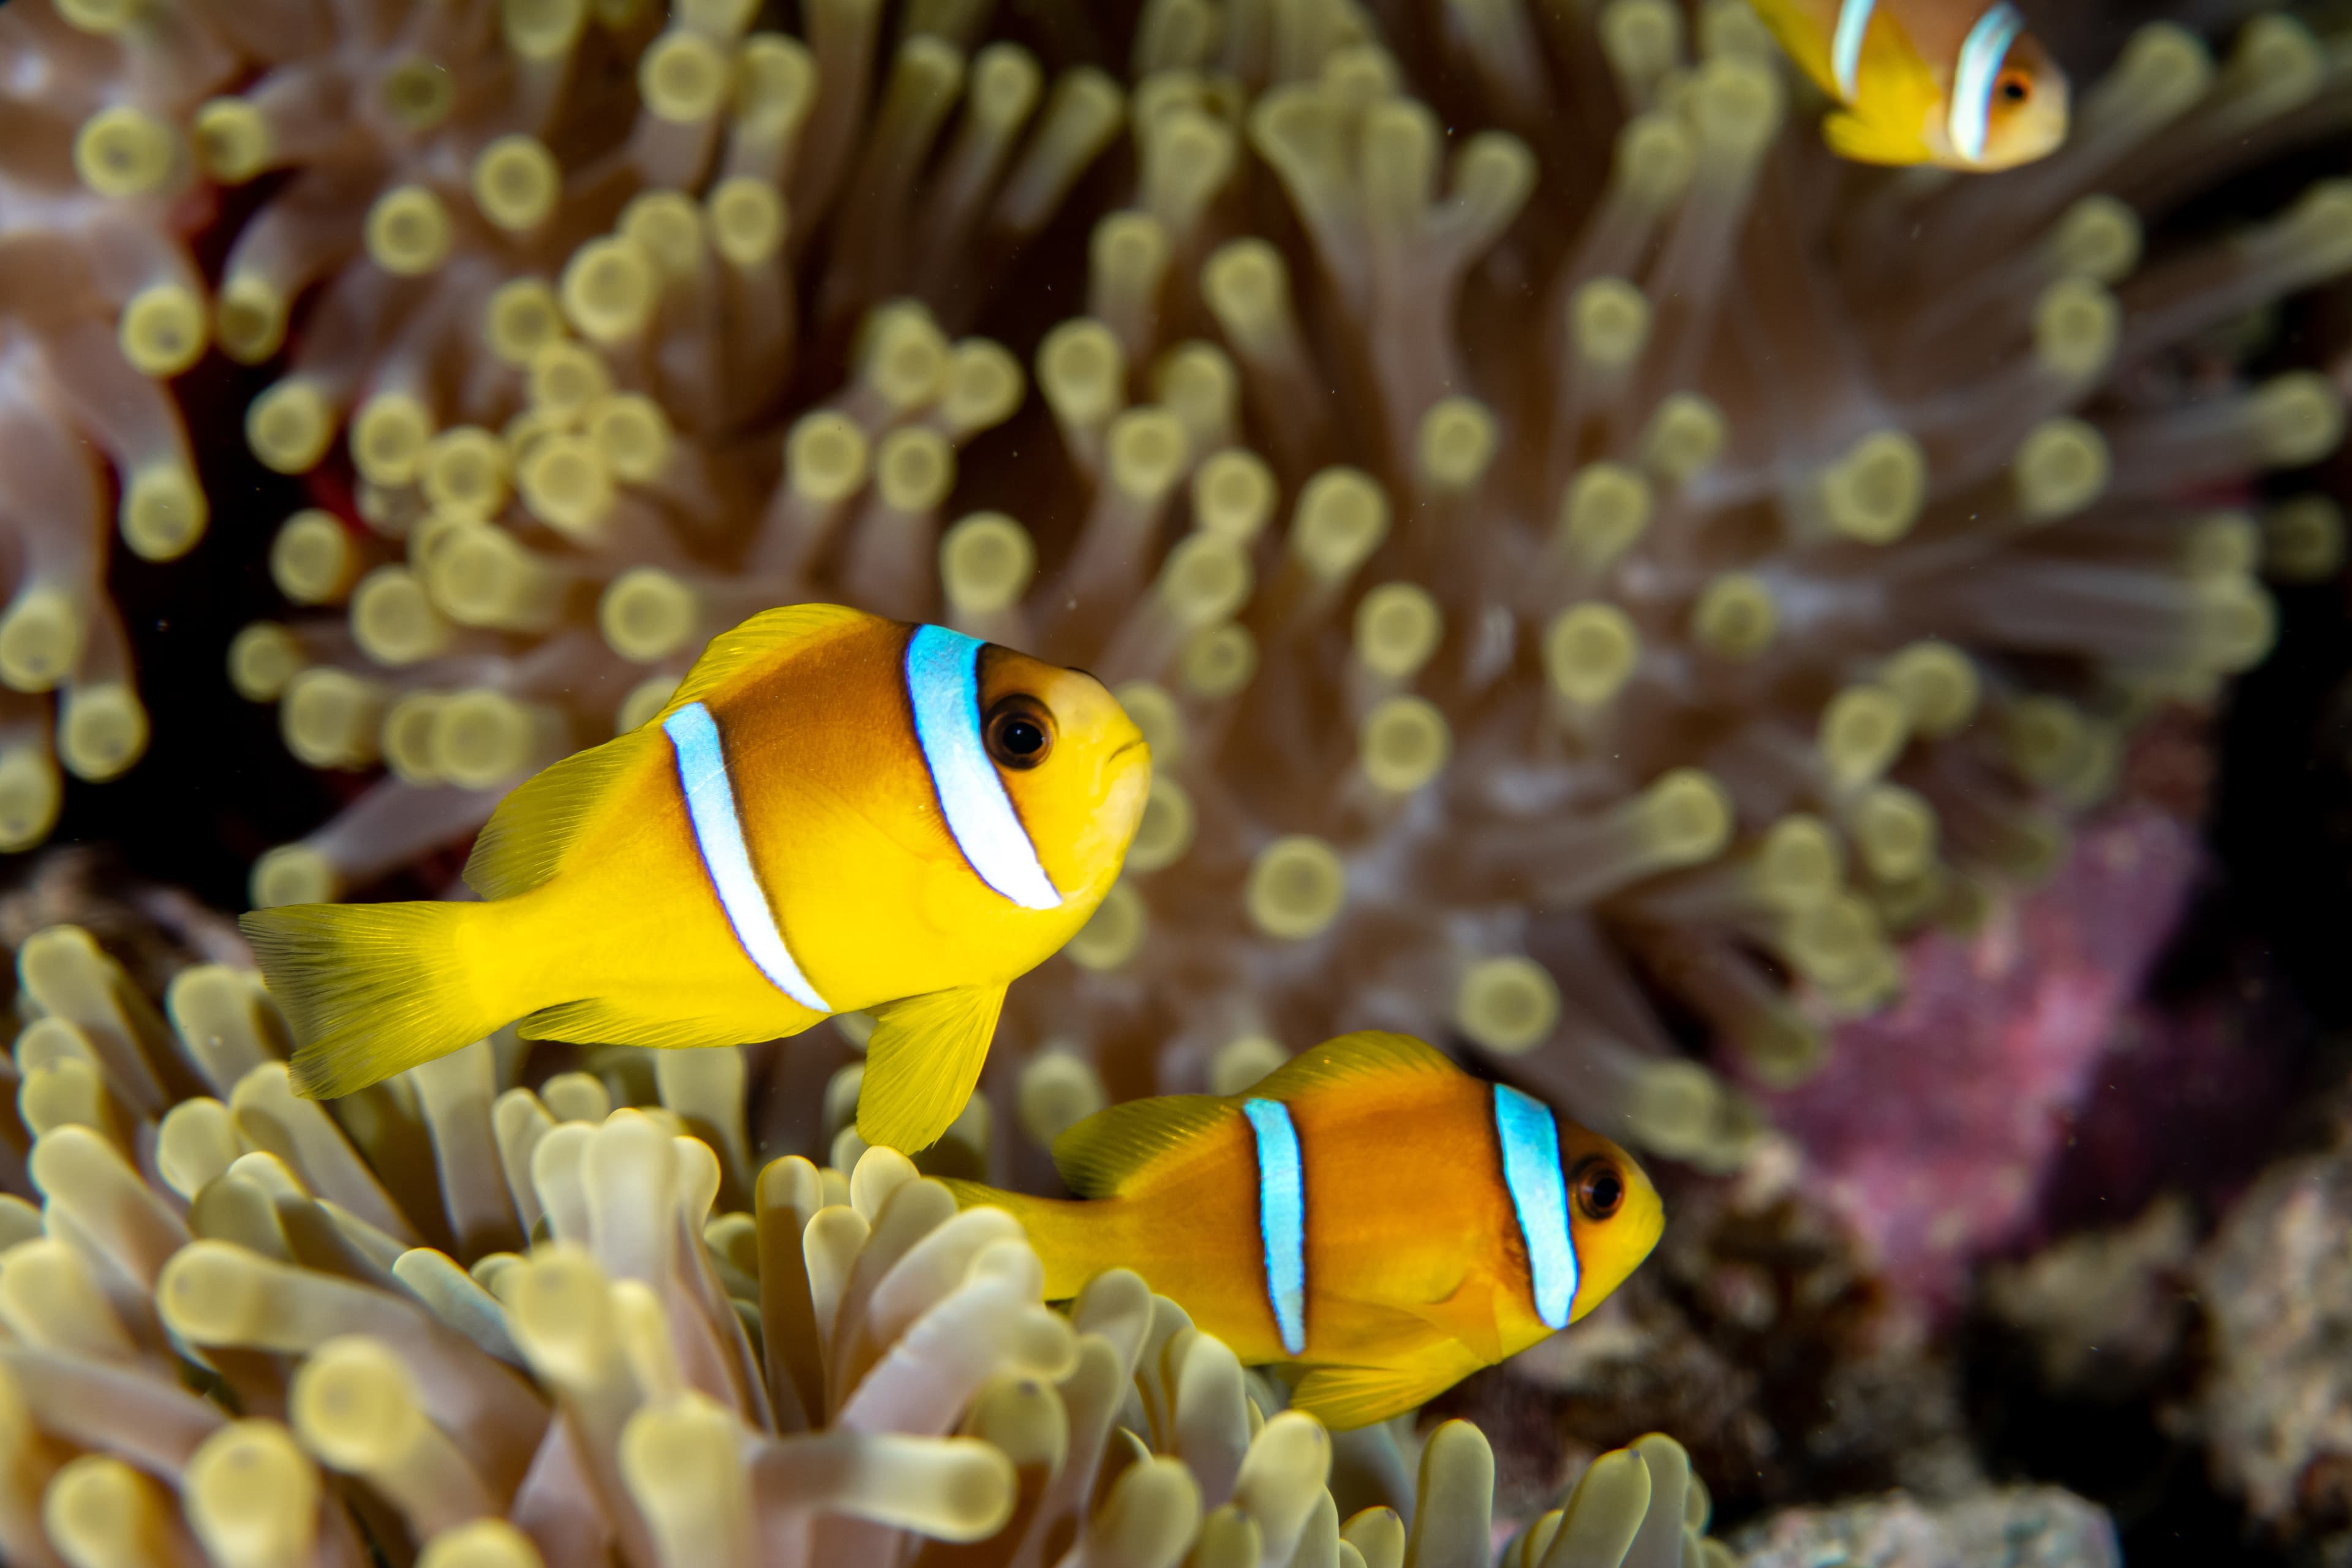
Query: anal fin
x=921, y=1063
x=609, y=1021
x=1346, y=1397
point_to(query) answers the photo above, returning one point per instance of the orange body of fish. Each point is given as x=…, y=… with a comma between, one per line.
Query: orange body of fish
x=1369, y=1215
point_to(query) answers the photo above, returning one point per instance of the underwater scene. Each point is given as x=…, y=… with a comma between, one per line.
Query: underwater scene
x=1176, y=784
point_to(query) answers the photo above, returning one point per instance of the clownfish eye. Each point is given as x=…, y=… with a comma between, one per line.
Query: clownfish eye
x=1019, y=733
x=1599, y=1190
x=2014, y=87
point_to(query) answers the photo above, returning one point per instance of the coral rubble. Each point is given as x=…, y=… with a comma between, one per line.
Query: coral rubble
x=2023, y=1527
x=1764, y=1337
x=2104, y=1311
x=2273, y=1404
x=1605, y=540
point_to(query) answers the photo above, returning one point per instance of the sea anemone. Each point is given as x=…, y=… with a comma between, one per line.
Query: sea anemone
x=101, y=303
x=246, y=1330
x=1603, y=550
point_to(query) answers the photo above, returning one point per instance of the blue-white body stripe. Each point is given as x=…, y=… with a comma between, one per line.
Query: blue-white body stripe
x=1282, y=1218
x=1978, y=72
x=719, y=834
x=1529, y=1139
x=943, y=685
x=1845, y=45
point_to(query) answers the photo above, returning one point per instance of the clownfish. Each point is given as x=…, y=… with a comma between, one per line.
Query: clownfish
x=1369, y=1218
x=1951, y=82
x=832, y=813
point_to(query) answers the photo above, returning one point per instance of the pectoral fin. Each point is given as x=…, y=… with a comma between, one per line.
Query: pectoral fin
x=1346, y=1397
x=922, y=1064
x=1467, y=1316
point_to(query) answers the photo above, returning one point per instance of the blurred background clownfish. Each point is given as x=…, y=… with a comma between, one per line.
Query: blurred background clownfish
x=1954, y=83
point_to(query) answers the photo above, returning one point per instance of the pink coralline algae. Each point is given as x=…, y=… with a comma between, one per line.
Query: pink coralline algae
x=1935, y=1121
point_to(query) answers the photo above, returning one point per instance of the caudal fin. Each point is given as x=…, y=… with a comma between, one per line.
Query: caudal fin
x=370, y=989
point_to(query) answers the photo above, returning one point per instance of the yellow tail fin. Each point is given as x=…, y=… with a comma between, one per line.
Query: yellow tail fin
x=371, y=989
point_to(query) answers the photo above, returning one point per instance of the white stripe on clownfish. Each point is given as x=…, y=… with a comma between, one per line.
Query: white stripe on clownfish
x=1282, y=1218
x=1846, y=48
x=1978, y=75
x=710, y=794
x=943, y=686
x=1539, y=1189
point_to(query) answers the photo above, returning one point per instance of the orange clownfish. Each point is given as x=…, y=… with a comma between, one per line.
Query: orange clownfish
x=1369, y=1215
x=1951, y=82
x=834, y=811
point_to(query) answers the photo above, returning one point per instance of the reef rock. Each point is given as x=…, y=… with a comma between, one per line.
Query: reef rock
x=2275, y=1404
x=2104, y=1310
x=2017, y=1527
x=1761, y=1336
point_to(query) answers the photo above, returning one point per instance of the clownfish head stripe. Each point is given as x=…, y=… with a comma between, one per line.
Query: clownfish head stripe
x=1845, y=45
x=719, y=834
x=1978, y=73
x=943, y=685
x=1531, y=1145
x=1282, y=1218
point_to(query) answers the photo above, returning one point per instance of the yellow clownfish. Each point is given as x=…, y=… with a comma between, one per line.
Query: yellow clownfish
x=834, y=812
x=1368, y=1214
x=1952, y=82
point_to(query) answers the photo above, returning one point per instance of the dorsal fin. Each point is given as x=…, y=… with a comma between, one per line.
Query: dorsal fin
x=1109, y=1152
x=1352, y=1058
x=524, y=842
x=755, y=642
x=1802, y=39
x=1113, y=1151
